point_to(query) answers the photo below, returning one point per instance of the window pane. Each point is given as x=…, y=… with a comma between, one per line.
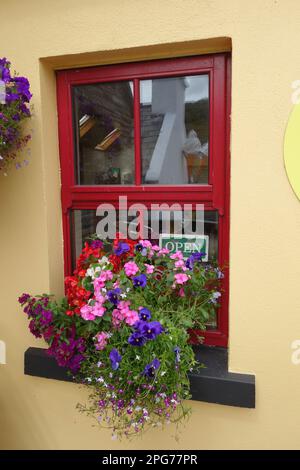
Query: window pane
x=104, y=145
x=175, y=130
x=157, y=225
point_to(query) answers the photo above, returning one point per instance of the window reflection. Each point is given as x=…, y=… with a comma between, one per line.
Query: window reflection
x=103, y=116
x=175, y=130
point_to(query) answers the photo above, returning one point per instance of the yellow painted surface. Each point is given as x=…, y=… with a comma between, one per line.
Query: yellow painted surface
x=37, y=413
x=292, y=150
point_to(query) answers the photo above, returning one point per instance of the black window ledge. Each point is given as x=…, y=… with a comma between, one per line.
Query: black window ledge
x=212, y=384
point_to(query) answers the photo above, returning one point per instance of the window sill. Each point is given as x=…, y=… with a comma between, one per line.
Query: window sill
x=212, y=384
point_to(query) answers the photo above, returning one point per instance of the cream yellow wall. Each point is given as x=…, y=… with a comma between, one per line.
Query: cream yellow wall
x=265, y=222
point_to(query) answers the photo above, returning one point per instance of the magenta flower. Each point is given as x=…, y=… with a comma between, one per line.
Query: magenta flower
x=181, y=278
x=131, y=268
x=149, y=268
x=131, y=317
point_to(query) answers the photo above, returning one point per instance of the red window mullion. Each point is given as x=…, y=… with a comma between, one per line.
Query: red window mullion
x=137, y=130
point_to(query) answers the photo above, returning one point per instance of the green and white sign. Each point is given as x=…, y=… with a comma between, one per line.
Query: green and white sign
x=187, y=244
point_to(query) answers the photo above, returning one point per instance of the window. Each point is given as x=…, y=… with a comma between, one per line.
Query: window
x=155, y=132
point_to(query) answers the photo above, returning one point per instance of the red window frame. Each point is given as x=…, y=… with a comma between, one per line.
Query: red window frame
x=214, y=195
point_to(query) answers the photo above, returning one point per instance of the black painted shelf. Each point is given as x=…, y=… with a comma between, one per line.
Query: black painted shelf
x=212, y=384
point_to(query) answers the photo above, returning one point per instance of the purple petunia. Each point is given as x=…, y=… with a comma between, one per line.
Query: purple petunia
x=121, y=248
x=68, y=354
x=151, y=368
x=145, y=314
x=140, y=281
x=34, y=329
x=46, y=317
x=23, y=298
x=114, y=296
x=4, y=70
x=115, y=359
x=137, y=339
x=23, y=88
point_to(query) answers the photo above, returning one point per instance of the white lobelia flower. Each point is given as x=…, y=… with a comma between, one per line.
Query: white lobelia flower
x=163, y=373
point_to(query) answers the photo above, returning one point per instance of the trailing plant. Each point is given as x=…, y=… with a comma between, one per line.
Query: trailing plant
x=14, y=109
x=122, y=329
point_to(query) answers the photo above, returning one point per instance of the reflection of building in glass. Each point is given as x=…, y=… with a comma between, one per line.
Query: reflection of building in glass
x=105, y=148
x=171, y=108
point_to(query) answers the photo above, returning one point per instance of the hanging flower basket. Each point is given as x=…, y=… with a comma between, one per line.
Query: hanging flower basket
x=14, y=109
x=122, y=331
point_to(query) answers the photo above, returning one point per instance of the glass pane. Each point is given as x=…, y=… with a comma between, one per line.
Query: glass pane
x=104, y=146
x=195, y=231
x=175, y=130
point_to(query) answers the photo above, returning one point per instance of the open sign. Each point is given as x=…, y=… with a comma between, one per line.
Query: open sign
x=187, y=244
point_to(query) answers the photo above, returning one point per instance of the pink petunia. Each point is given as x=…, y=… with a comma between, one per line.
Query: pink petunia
x=131, y=317
x=155, y=248
x=179, y=264
x=131, y=268
x=164, y=251
x=181, y=278
x=178, y=255
x=101, y=340
x=86, y=312
x=123, y=306
x=100, y=298
x=149, y=268
x=98, y=310
x=145, y=243
x=117, y=318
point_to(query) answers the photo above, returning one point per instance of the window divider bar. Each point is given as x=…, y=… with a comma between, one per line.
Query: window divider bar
x=137, y=130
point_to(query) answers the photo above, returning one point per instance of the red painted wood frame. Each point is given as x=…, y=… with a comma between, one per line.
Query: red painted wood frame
x=214, y=195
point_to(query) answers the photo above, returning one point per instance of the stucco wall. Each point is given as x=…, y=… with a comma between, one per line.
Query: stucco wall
x=265, y=223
